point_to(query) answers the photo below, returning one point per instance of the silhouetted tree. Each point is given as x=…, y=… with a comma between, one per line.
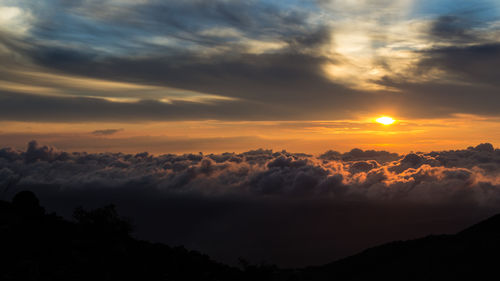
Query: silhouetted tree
x=28, y=204
x=104, y=220
x=97, y=245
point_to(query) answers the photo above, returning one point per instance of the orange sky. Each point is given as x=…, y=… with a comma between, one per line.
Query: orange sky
x=305, y=76
x=216, y=136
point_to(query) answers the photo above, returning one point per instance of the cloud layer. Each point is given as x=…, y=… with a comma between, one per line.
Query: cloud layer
x=294, y=60
x=379, y=175
x=245, y=199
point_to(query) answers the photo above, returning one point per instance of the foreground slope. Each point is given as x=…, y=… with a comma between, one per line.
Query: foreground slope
x=97, y=245
x=472, y=254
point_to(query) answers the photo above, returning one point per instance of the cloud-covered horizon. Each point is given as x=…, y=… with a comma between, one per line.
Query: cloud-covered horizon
x=263, y=201
x=472, y=174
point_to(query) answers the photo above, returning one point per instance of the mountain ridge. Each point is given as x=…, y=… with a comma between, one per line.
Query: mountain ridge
x=97, y=245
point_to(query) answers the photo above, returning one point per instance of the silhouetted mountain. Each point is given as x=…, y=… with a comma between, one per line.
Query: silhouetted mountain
x=472, y=254
x=97, y=245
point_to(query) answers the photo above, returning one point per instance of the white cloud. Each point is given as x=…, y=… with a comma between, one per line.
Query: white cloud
x=15, y=20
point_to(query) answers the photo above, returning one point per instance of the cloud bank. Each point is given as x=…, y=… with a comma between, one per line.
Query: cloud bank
x=473, y=174
x=289, y=208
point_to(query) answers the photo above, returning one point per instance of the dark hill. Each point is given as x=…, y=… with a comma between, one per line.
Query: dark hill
x=472, y=254
x=97, y=245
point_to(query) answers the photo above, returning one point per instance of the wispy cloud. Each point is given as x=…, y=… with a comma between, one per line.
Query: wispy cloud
x=292, y=61
x=106, y=132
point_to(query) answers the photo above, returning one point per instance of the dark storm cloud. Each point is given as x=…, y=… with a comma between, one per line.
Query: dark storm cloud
x=465, y=49
x=262, y=202
x=476, y=63
x=443, y=98
x=453, y=28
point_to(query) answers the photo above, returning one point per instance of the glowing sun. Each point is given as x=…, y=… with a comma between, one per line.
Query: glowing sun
x=385, y=120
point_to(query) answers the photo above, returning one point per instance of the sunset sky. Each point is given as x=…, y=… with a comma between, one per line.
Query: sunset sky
x=214, y=76
x=290, y=131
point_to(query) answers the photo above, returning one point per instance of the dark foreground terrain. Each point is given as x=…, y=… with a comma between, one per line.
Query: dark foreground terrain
x=97, y=245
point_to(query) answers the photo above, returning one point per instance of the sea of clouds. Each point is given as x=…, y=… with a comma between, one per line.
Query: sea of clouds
x=470, y=174
x=289, y=208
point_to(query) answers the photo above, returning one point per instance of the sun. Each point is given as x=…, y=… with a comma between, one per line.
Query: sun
x=385, y=120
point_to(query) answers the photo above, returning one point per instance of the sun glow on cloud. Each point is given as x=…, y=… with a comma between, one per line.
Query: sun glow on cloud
x=116, y=91
x=14, y=20
x=367, y=43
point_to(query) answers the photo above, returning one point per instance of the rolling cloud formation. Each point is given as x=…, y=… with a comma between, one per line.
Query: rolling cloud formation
x=287, y=208
x=470, y=174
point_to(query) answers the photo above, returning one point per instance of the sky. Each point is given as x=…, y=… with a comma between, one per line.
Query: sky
x=187, y=76
x=248, y=128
